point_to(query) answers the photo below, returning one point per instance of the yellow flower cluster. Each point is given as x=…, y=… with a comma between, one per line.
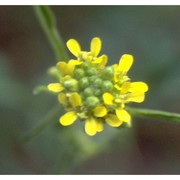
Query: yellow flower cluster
x=93, y=92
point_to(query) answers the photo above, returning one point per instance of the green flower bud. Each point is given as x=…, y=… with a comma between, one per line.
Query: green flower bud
x=84, y=66
x=91, y=71
x=71, y=85
x=108, y=73
x=92, y=101
x=97, y=82
x=97, y=92
x=79, y=73
x=84, y=82
x=92, y=78
x=88, y=92
x=53, y=72
x=107, y=86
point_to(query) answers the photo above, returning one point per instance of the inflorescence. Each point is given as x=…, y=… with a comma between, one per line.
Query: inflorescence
x=93, y=92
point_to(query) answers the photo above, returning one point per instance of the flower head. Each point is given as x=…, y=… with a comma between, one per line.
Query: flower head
x=94, y=93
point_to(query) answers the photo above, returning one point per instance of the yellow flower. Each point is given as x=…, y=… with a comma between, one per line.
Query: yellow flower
x=67, y=68
x=71, y=116
x=66, y=71
x=134, y=92
x=88, y=56
x=94, y=93
x=93, y=123
x=129, y=92
x=120, y=114
x=121, y=69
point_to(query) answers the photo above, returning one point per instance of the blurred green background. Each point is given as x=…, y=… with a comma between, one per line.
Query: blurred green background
x=150, y=33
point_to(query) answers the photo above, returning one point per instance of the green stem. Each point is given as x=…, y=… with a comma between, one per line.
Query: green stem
x=44, y=122
x=48, y=23
x=150, y=113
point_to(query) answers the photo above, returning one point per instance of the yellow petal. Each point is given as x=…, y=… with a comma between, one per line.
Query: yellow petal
x=115, y=67
x=61, y=67
x=136, y=97
x=73, y=47
x=74, y=62
x=125, y=87
x=95, y=46
x=123, y=115
x=62, y=98
x=97, y=60
x=108, y=98
x=125, y=63
x=103, y=61
x=118, y=100
x=99, y=124
x=65, y=68
x=55, y=87
x=100, y=111
x=68, y=118
x=75, y=100
x=90, y=126
x=113, y=121
x=65, y=78
x=69, y=68
x=138, y=87
x=117, y=87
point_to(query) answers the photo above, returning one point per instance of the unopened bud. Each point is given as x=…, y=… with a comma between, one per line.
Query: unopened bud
x=108, y=73
x=91, y=71
x=71, y=84
x=98, y=82
x=79, y=73
x=88, y=92
x=92, y=79
x=92, y=101
x=53, y=72
x=107, y=86
x=97, y=92
x=84, y=82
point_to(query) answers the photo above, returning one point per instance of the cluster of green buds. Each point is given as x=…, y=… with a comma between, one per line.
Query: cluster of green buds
x=93, y=92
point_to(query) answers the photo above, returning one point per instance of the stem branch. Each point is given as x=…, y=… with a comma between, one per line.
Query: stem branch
x=44, y=122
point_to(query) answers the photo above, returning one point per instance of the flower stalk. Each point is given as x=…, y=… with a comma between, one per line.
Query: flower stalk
x=48, y=23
